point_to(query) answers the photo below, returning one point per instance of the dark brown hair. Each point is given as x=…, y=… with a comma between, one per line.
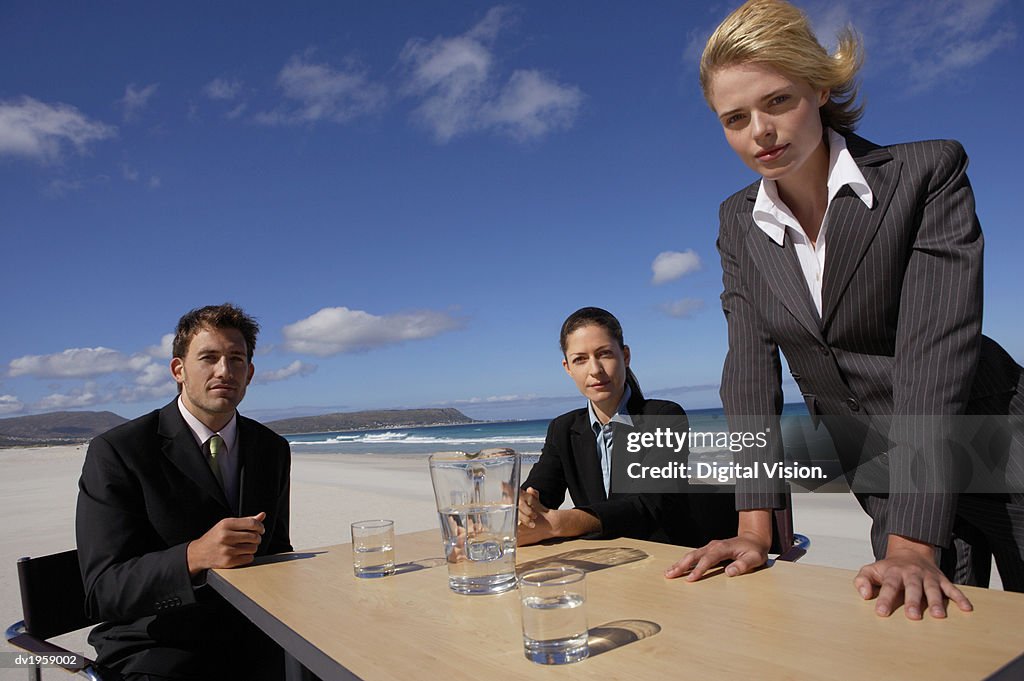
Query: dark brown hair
x=595, y=316
x=226, y=316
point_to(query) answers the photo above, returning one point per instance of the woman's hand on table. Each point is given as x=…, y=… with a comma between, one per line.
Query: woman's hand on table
x=747, y=553
x=748, y=550
x=909, y=575
x=537, y=522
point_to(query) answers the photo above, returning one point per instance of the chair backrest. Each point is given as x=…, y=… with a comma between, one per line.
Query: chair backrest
x=52, y=595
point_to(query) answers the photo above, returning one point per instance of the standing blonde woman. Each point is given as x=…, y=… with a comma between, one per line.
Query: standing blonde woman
x=863, y=264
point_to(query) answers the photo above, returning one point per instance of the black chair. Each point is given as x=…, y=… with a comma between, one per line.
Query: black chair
x=52, y=603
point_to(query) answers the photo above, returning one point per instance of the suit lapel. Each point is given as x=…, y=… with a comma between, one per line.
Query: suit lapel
x=781, y=269
x=852, y=225
x=588, y=461
x=180, y=448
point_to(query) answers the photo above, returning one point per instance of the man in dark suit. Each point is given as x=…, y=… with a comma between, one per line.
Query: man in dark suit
x=171, y=494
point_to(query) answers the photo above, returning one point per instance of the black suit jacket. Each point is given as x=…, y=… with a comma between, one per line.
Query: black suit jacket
x=146, y=491
x=570, y=461
x=899, y=334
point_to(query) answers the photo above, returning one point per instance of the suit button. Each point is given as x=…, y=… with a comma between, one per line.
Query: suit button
x=823, y=349
x=853, y=404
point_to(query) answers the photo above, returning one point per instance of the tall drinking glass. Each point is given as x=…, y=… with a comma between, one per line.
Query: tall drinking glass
x=554, y=615
x=477, y=501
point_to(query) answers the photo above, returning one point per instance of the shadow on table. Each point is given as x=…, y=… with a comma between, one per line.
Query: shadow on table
x=619, y=633
x=588, y=560
x=286, y=557
x=416, y=565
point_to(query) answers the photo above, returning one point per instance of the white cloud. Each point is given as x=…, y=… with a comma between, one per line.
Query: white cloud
x=496, y=399
x=531, y=104
x=683, y=309
x=460, y=93
x=696, y=39
x=969, y=31
x=164, y=349
x=77, y=363
x=142, y=393
x=924, y=44
x=320, y=92
x=296, y=368
x=75, y=400
x=145, y=375
x=671, y=265
x=136, y=99
x=236, y=112
x=9, y=404
x=60, y=187
x=154, y=182
x=154, y=374
x=129, y=173
x=223, y=89
x=38, y=131
x=335, y=330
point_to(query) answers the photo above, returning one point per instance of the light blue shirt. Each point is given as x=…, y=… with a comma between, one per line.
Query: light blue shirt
x=603, y=433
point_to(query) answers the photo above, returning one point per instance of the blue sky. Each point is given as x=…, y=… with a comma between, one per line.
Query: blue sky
x=411, y=196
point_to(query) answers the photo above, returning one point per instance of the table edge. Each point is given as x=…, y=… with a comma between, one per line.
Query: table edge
x=311, y=657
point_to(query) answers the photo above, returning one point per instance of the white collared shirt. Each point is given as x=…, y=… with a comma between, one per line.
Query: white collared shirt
x=228, y=460
x=603, y=433
x=773, y=216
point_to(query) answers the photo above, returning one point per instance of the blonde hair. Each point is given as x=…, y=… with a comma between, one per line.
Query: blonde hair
x=775, y=33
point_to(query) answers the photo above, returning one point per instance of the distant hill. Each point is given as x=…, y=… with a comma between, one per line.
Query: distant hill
x=370, y=420
x=67, y=427
x=56, y=428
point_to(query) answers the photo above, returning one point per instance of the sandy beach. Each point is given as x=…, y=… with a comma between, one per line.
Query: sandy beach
x=38, y=490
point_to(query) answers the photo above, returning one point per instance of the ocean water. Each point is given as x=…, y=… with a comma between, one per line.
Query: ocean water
x=526, y=437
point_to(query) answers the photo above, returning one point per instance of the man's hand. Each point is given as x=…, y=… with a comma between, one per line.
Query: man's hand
x=748, y=550
x=230, y=543
x=908, y=575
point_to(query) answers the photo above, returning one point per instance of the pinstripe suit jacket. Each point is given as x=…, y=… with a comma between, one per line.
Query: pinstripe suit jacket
x=900, y=329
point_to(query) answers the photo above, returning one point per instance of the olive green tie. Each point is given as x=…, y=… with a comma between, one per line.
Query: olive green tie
x=215, y=447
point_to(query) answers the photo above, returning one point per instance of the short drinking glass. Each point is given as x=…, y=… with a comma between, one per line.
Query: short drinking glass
x=554, y=615
x=373, y=548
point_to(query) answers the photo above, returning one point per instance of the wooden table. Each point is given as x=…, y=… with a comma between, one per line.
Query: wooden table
x=788, y=621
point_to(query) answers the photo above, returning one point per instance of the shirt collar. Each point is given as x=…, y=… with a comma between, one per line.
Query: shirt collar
x=201, y=433
x=621, y=413
x=773, y=216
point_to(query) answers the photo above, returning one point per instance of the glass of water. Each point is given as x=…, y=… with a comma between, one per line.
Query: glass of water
x=554, y=615
x=373, y=548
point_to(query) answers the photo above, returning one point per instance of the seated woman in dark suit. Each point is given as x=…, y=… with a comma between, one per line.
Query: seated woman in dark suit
x=579, y=449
